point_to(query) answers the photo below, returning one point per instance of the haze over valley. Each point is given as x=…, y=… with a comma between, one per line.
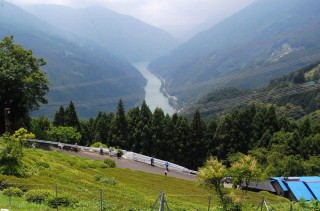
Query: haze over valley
x=90, y=49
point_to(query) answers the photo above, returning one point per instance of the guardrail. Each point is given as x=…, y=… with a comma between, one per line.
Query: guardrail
x=126, y=154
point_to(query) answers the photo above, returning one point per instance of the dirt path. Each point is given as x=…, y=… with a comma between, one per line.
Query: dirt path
x=130, y=164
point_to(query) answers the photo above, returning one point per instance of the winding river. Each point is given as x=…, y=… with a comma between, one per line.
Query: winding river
x=154, y=98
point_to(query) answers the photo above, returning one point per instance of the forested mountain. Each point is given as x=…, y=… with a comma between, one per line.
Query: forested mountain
x=86, y=73
x=248, y=49
x=123, y=35
x=293, y=95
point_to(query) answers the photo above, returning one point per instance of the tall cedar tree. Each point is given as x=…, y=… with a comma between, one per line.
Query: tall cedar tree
x=158, y=145
x=102, y=129
x=133, y=117
x=182, y=138
x=71, y=118
x=198, y=145
x=119, y=127
x=144, y=130
x=59, y=117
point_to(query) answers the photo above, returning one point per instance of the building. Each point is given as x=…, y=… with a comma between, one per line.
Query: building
x=296, y=188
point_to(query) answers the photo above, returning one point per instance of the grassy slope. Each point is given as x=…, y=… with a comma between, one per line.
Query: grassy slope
x=134, y=189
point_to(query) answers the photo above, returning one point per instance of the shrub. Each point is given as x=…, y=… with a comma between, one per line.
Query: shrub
x=63, y=200
x=110, y=163
x=106, y=180
x=13, y=191
x=37, y=196
x=98, y=144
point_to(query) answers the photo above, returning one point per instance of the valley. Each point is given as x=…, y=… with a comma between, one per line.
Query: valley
x=154, y=97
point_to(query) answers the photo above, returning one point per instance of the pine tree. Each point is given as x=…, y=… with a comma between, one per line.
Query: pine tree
x=198, y=145
x=133, y=121
x=158, y=144
x=144, y=129
x=59, y=117
x=119, y=127
x=71, y=118
x=102, y=129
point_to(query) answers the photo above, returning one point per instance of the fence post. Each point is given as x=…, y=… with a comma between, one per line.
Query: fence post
x=162, y=202
x=10, y=198
x=209, y=202
x=101, y=208
x=57, y=198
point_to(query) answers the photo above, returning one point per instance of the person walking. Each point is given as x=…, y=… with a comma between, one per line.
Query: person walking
x=167, y=166
x=152, y=161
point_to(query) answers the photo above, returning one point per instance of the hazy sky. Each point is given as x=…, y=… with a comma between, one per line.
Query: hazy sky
x=161, y=13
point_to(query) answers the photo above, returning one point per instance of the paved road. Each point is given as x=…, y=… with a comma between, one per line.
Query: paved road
x=130, y=164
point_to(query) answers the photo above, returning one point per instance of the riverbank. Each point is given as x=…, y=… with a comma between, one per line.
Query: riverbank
x=156, y=95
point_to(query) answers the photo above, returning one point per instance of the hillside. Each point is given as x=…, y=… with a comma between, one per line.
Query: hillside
x=86, y=182
x=264, y=40
x=294, y=94
x=78, y=71
x=123, y=35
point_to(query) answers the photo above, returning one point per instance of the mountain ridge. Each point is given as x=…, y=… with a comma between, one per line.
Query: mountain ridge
x=126, y=36
x=266, y=34
x=89, y=66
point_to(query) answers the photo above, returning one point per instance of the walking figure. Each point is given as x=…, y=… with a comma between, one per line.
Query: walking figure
x=167, y=166
x=152, y=161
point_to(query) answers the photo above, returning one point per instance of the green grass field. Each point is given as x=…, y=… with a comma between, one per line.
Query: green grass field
x=94, y=186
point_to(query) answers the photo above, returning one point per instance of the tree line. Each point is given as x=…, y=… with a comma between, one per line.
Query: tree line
x=281, y=145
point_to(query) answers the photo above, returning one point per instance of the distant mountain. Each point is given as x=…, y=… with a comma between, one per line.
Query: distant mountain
x=123, y=35
x=78, y=70
x=266, y=39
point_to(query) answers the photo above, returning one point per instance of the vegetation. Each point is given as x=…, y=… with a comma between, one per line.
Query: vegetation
x=78, y=183
x=23, y=86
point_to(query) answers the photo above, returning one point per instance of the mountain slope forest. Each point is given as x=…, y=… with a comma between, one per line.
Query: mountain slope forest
x=294, y=95
x=123, y=35
x=267, y=39
x=83, y=72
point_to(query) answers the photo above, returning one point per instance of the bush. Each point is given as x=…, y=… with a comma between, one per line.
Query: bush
x=13, y=191
x=63, y=200
x=37, y=196
x=110, y=163
x=106, y=180
x=98, y=144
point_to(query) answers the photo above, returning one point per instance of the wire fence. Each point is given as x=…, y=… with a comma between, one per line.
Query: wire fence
x=33, y=197
x=20, y=196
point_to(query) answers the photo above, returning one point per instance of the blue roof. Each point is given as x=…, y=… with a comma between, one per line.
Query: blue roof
x=299, y=190
x=283, y=186
x=315, y=188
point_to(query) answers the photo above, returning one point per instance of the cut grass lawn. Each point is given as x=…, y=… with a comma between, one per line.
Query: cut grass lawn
x=120, y=189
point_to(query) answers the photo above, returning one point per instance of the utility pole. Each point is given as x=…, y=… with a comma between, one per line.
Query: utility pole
x=7, y=120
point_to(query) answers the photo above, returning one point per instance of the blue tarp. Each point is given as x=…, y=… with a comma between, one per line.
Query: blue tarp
x=283, y=186
x=315, y=188
x=300, y=190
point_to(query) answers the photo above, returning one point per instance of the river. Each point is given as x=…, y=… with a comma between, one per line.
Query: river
x=154, y=98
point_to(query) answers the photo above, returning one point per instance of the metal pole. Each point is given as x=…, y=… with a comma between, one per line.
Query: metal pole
x=209, y=202
x=57, y=198
x=262, y=202
x=10, y=198
x=101, y=200
x=162, y=202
